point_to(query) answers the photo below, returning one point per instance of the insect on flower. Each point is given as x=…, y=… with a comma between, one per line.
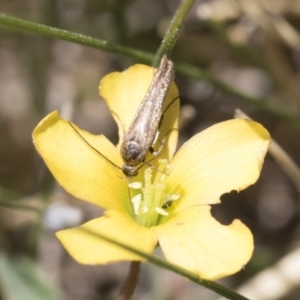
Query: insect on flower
x=143, y=131
x=226, y=156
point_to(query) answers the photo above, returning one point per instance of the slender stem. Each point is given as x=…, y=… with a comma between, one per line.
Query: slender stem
x=286, y=163
x=146, y=57
x=174, y=29
x=282, y=158
x=162, y=263
x=77, y=38
x=131, y=281
x=258, y=102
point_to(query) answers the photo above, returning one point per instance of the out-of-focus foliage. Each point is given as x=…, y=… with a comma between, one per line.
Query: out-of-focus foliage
x=20, y=278
x=253, y=46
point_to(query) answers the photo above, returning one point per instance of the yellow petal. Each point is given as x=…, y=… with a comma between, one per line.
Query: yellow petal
x=88, y=249
x=123, y=93
x=82, y=171
x=227, y=156
x=194, y=240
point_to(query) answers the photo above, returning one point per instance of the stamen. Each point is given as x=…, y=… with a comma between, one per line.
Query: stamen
x=136, y=200
x=152, y=204
x=161, y=211
x=173, y=197
x=135, y=185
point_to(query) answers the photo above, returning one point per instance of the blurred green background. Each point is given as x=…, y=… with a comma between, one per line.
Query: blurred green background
x=253, y=46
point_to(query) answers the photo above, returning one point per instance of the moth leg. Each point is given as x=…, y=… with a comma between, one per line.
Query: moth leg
x=162, y=142
x=151, y=149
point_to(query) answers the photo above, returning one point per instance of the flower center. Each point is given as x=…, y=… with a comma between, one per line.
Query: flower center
x=151, y=200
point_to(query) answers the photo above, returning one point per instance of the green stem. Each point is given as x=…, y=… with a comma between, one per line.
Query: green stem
x=257, y=102
x=162, y=263
x=174, y=29
x=146, y=57
x=77, y=38
x=283, y=159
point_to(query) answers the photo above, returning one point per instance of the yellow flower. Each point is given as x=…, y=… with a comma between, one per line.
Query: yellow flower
x=167, y=204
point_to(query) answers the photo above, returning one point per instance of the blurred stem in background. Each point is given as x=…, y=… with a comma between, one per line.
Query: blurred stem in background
x=39, y=66
x=275, y=65
x=146, y=57
x=282, y=158
x=163, y=263
x=166, y=46
x=173, y=31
